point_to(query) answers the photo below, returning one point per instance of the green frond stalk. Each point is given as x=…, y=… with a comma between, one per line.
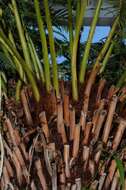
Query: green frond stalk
x=3, y=76
x=1, y=12
x=0, y=91
x=122, y=80
x=10, y=48
x=89, y=41
x=19, y=68
x=18, y=90
x=3, y=81
x=14, y=61
x=70, y=24
x=52, y=47
x=21, y=34
x=36, y=63
x=74, y=50
x=11, y=38
x=44, y=45
x=77, y=13
x=107, y=42
x=107, y=56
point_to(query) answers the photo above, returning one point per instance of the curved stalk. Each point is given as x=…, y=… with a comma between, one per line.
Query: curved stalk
x=18, y=90
x=1, y=12
x=70, y=26
x=0, y=92
x=10, y=48
x=2, y=155
x=18, y=67
x=21, y=34
x=36, y=62
x=11, y=38
x=105, y=61
x=52, y=47
x=35, y=67
x=122, y=80
x=44, y=45
x=107, y=43
x=89, y=41
x=13, y=60
x=74, y=50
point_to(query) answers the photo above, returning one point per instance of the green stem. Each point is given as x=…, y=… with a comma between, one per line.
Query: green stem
x=1, y=12
x=52, y=47
x=3, y=81
x=18, y=90
x=38, y=63
x=0, y=91
x=35, y=67
x=11, y=38
x=70, y=25
x=122, y=80
x=44, y=45
x=10, y=48
x=105, y=61
x=107, y=42
x=14, y=59
x=21, y=35
x=89, y=41
x=74, y=50
x=77, y=13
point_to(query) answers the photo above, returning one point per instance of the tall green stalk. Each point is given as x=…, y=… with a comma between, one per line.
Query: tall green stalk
x=21, y=34
x=107, y=42
x=89, y=41
x=44, y=45
x=52, y=47
x=70, y=24
x=107, y=56
x=74, y=50
x=77, y=13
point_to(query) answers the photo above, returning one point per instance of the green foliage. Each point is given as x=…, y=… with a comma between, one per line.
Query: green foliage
x=22, y=49
x=121, y=170
x=89, y=41
x=120, y=6
x=78, y=26
x=7, y=66
x=64, y=70
x=116, y=63
x=3, y=82
x=44, y=44
x=52, y=47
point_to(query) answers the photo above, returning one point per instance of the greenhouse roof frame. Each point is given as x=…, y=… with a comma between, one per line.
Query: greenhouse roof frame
x=107, y=13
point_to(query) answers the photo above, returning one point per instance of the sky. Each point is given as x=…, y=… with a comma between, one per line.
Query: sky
x=100, y=33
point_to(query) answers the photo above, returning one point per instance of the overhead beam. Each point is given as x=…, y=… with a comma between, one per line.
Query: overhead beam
x=107, y=13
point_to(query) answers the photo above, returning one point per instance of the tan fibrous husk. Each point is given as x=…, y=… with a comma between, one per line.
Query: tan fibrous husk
x=36, y=157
